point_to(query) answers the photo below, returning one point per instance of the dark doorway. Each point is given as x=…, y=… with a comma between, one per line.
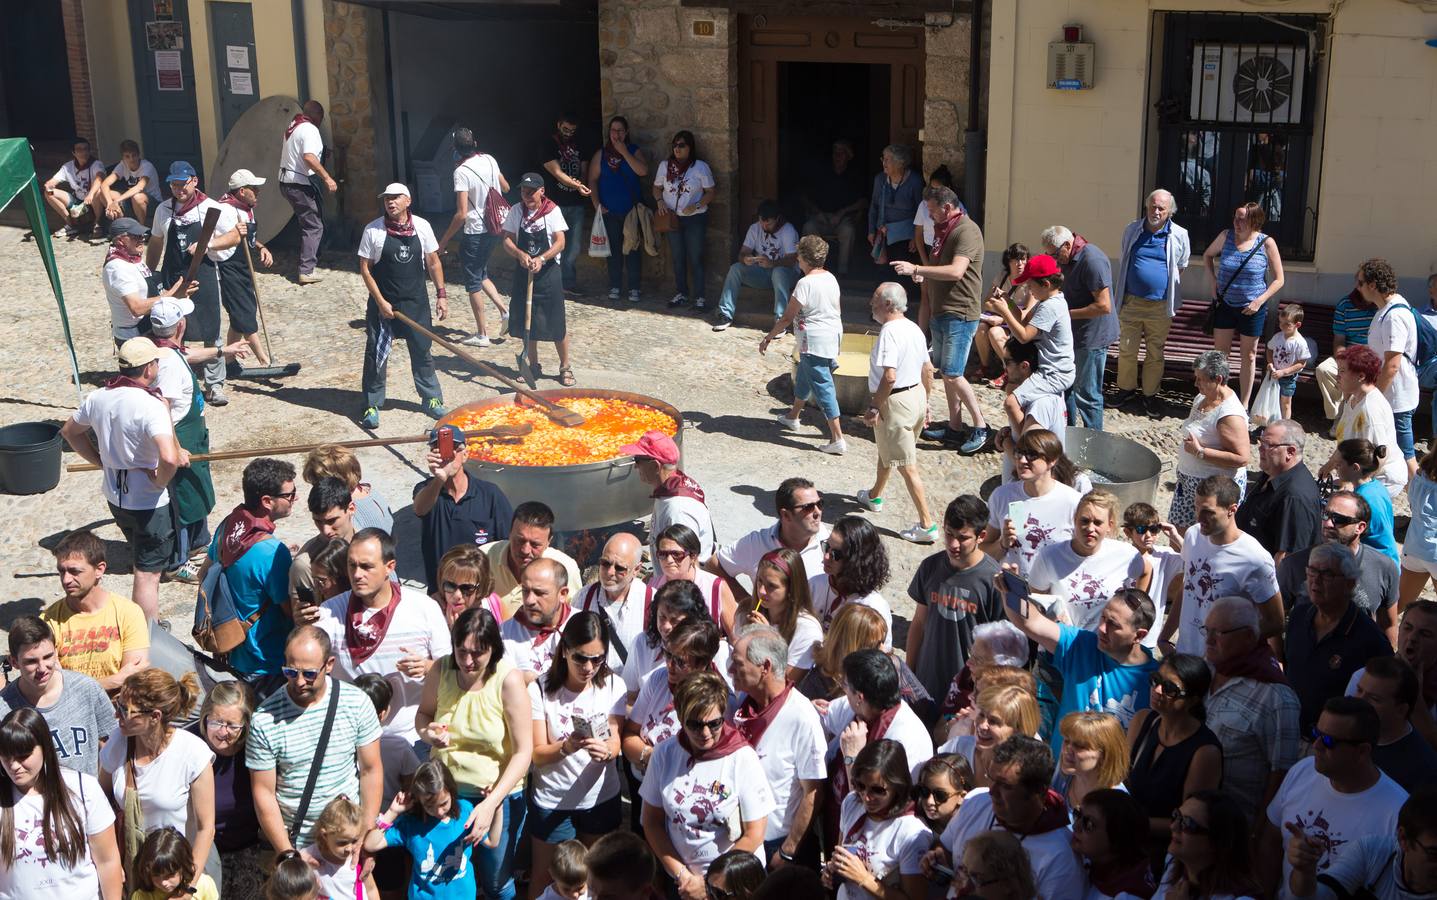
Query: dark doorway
x=34, y=74
x=165, y=82
x=819, y=103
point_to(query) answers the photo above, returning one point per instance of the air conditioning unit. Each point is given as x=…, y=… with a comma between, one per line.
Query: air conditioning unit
x=1248, y=83
x=1070, y=65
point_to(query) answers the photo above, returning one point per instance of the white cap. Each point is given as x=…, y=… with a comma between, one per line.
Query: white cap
x=394, y=189
x=245, y=178
x=167, y=311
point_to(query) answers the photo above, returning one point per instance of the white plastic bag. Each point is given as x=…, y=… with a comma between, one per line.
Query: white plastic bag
x=599, y=239
x=1266, y=407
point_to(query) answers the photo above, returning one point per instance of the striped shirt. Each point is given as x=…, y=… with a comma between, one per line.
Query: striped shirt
x=284, y=738
x=1352, y=323
x=1256, y=723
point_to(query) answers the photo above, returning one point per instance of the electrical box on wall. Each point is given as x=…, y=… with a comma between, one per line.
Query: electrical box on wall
x=1070, y=61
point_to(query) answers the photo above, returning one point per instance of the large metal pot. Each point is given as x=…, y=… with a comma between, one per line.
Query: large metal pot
x=584, y=496
x=1125, y=467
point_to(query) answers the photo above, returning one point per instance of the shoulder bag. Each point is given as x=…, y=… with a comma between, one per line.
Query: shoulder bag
x=218, y=626
x=132, y=815
x=665, y=219
x=314, y=765
x=1211, y=322
x=496, y=208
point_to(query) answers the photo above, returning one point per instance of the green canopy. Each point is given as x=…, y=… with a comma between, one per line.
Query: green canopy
x=17, y=179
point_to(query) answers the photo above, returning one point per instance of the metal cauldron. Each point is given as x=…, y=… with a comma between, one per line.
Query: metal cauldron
x=1127, y=468
x=584, y=496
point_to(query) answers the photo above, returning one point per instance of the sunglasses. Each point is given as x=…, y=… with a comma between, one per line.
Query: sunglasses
x=673, y=659
x=1328, y=741
x=468, y=590
x=870, y=790
x=837, y=552
x=1339, y=519
x=1165, y=687
x=804, y=509
x=923, y=792
x=619, y=570
x=1082, y=821
x=1324, y=573
x=699, y=727
x=583, y=659
x=1187, y=824
x=717, y=893
x=673, y=555
x=292, y=674
x=1218, y=632
x=1146, y=529
x=1027, y=456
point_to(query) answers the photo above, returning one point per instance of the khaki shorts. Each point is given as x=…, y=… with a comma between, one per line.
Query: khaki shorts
x=899, y=422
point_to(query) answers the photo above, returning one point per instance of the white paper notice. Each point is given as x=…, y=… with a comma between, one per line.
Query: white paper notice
x=241, y=83
x=167, y=70
x=236, y=57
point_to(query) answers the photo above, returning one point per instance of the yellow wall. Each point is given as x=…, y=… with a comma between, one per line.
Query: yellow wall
x=112, y=76
x=1076, y=157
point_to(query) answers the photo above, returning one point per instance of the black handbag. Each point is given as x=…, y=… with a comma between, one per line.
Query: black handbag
x=1211, y=323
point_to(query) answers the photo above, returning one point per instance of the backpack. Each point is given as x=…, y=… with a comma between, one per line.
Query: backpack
x=1426, y=338
x=496, y=208
x=218, y=627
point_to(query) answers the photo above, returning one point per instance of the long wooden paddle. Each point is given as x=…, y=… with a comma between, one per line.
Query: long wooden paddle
x=526, y=365
x=498, y=431
x=560, y=414
x=202, y=246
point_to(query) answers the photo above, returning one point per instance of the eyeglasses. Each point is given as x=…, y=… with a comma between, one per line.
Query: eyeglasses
x=126, y=712
x=1328, y=741
x=1265, y=445
x=1219, y=632
x=221, y=725
x=1027, y=456
x=1339, y=519
x=292, y=674
x=678, y=144
x=673, y=555
x=582, y=659
x=468, y=590
x=291, y=496
x=923, y=792
x=674, y=659
x=1324, y=573
x=1146, y=529
x=837, y=552
x=1082, y=821
x=1165, y=687
x=880, y=789
x=1187, y=824
x=804, y=509
x=619, y=570
x=699, y=727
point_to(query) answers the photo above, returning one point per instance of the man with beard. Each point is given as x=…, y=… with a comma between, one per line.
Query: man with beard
x=531, y=530
x=531, y=637
x=564, y=154
x=799, y=527
x=76, y=708
x=768, y=258
x=678, y=499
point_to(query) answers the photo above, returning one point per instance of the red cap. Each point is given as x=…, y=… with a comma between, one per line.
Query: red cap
x=1040, y=266
x=656, y=445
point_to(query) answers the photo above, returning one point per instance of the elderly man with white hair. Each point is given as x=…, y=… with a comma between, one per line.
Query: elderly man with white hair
x=1251, y=707
x=1148, y=293
x=619, y=596
x=898, y=410
x=1088, y=288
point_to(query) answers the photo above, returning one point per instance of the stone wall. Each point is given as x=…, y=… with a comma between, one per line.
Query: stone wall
x=352, y=117
x=945, y=105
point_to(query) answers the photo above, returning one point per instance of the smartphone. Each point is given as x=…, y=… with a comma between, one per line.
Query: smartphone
x=305, y=595
x=941, y=875
x=1018, y=513
x=1016, y=593
x=446, y=445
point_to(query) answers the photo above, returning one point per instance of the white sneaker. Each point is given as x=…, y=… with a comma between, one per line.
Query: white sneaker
x=920, y=535
x=873, y=504
x=701, y=304
x=613, y=293
x=633, y=296
x=504, y=323
x=789, y=424
x=837, y=448
x=217, y=396
x=476, y=340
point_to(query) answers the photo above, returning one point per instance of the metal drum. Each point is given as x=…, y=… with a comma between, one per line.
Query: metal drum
x=1121, y=465
x=585, y=496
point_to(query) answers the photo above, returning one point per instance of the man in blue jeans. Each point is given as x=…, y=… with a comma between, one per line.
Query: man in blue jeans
x=565, y=156
x=1088, y=287
x=769, y=257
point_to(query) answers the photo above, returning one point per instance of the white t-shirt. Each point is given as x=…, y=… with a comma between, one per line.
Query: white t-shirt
x=34, y=874
x=577, y=781
x=774, y=246
x=901, y=347
x=1045, y=520
x=78, y=180
x=1204, y=428
x=687, y=189
x=1371, y=418
x=1337, y=820
x=963, y=745
x=417, y=629
x=126, y=177
x=644, y=660
x=227, y=222
x=1056, y=871
x=742, y=556
x=791, y=749
x=127, y=421
x=336, y=879
x=1288, y=353
x=122, y=278
x=924, y=219
x=820, y=326
x=163, y=783
x=807, y=635
x=176, y=383
x=896, y=843
x=474, y=177
x=681, y=510
x=1166, y=880
x=906, y=728
x=529, y=650
x=626, y=617
x=1395, y=331
x=1242, y=568
x=1369, y=863
x=826, y=604
x=1085, y=584
x=706, y=803
x=653, y=712
x=1167, y=564
x=371, y=243
x=304, y=139
x=551, y=223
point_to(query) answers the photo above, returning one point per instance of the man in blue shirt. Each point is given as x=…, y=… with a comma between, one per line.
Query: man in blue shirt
x=1149, y=278
x=1088, y=288
x=455, y=509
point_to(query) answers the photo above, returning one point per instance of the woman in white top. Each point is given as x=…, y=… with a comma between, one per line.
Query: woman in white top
x=653, y=719
x=1209, y=856
x=1366, y=414
x=678, y=560
x=1215, y=437
x=1026, y=515
x=1089, y=568
x=57, y=832
x=814, y=313
x=578, y=711
x=172, y=768
x=684, y=184
x=1003, y=711
x=781, y=599
x=855, y=567
x=880, y=841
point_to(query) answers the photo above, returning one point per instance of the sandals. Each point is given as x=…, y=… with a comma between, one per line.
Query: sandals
x=566, y=376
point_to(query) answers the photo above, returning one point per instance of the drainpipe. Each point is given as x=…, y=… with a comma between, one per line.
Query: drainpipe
x=975, y=140
x=301, y=52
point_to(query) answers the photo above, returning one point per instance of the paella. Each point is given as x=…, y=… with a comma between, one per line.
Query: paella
x=609, y=424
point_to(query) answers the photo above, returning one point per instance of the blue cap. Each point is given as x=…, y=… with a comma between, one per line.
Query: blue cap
x=181, y=171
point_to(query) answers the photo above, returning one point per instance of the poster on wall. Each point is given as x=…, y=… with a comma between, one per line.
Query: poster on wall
x=241, y=83
x=237, y=57
x=165, y=35
x=167, y=70
x=164, y=9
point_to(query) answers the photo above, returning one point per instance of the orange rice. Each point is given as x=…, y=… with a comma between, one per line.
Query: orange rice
x=609, y=425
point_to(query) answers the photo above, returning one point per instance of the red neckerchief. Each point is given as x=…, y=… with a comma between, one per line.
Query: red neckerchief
x=876, y=731
x=118, y=252
x=240, y=531
x=120, y=381
x=238, y=204
x=1054, y=816
x=960, y=691
x=400, y=229
x=1134, y=878
x=294, y=123
x=195, y=200
x=1079, y=242
x=677, y=169
x=567, y=149
x=752, y=722
x=612, y=157
x=1259, y=664
x=547, y=631
x=545, y=207
x=363, y=638
x=681, y=485
x=941, y=230
x=166, y=342
x=729, y=740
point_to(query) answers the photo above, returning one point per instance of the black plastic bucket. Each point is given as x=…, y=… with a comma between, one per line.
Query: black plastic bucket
x=29, y=457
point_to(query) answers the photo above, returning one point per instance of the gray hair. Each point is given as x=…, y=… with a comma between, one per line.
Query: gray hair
x=1334, y=552
x=893, y=296
x=1008, y=645
x=900, y=153
x=1160, y=192
x=767, y=646
x=1213, y=364
x=164, y=332
x=1295, y=435
x=1240, y=611
x=1055, y=236
x=942, y=195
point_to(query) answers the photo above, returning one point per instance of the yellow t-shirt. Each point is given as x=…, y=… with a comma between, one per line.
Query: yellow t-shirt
x=204, y=890
x=94, y=643
x=507, y=586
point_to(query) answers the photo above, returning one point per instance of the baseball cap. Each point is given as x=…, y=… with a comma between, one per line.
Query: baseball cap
x=394, y=189
x=458, y=435
x=1040, y=266
x=136, y=352
x=243, y=178
x=532, y=181
x=655, y=445
x=126, y=225
x=167, y=311
x=181, y=171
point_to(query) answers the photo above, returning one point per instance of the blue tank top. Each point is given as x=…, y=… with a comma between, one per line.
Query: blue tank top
x=1251, y=281
x=618, y=188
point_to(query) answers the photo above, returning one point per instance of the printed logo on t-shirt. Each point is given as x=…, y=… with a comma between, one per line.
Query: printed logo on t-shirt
x=1086, y=591
x=1316, y=826
x=1123, y=708
x=769, y=245
x=481, y=536
x=959, y=600
x=451, y=866
x=703, y=804
x=659, y=727
x=90, y=641
x=1201, y=585
x=1032, y=537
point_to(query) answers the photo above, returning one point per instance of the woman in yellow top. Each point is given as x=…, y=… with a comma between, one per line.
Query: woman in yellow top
x=475, y=713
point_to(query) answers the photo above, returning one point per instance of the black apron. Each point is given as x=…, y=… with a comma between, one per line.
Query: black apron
x=192, y=492
x=401, y=277
x=237, y=287
x=549, y=322
x=202, y=325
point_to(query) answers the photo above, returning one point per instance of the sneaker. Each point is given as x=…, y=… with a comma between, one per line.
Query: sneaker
x=216, y=396
x=1152, y=407
x=941, y=432
x=722, y=323
x=613, y=293
x=476, y=340
x=633, y=296
x=836, y=448
x=679, y=300
x=189, y=573
x=701, y=304
x=977, y=440
x=919, y=535
x=67, y=232
x=504, y=322
x=872, y=504
x=370, y=419
x=789, y=424
x=310, y=278
x=434, y=408
x=1121, y=398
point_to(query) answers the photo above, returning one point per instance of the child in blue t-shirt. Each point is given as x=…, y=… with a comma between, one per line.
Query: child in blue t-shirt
x=428, y=821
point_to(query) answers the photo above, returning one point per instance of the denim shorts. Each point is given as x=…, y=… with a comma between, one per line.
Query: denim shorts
x=554, y=826
x=1287, y=385
x=813, y=380
x=952, y=339
x=1403, y=423
x=474, y=252
x=1232, y=317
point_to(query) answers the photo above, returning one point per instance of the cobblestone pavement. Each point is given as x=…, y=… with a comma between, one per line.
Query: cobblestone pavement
x=728, y=392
